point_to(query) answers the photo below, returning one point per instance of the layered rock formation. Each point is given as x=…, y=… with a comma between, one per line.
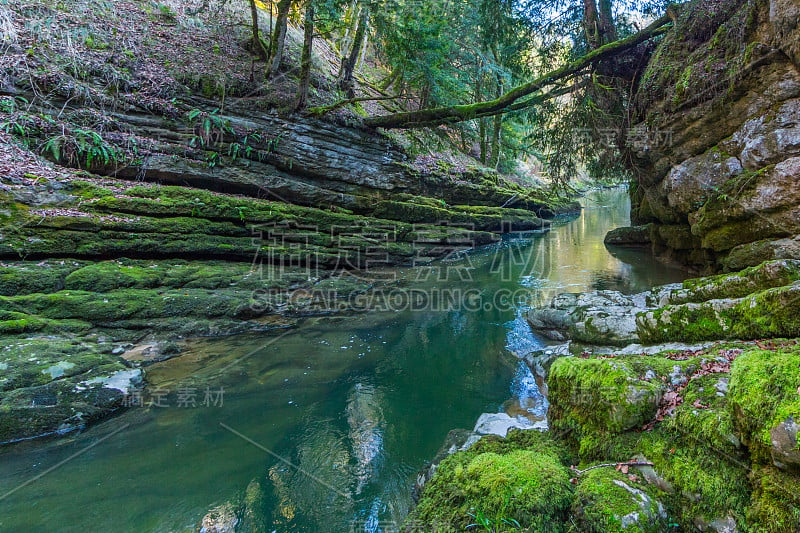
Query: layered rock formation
x=150, y=190
x=717, y=147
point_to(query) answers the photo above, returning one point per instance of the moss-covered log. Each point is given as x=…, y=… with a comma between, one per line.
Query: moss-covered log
x=458, y=113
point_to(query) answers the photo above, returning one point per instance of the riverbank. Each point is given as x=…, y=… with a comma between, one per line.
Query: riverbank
x=376, y=391
x=698, y=433
x=176, y=205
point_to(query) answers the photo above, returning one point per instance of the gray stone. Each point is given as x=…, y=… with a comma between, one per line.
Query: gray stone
x=628, y=236
x=501, y=423
x=785, y=454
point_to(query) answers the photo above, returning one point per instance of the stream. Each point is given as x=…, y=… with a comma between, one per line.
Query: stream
x=334, y=418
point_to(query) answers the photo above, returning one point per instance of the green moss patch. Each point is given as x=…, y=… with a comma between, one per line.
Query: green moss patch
x=764, y=393
x=518, y=479
x=609, y=501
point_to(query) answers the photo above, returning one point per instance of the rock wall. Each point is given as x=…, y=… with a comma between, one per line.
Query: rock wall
x=719, y=171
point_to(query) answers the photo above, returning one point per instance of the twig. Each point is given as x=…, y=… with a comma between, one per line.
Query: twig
x=615, y=465
x=510, y=200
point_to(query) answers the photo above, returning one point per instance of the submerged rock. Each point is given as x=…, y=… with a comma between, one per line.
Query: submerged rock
x=222, y=519
x=52, y=386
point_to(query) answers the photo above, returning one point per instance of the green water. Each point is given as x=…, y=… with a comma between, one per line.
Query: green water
x=354, y=406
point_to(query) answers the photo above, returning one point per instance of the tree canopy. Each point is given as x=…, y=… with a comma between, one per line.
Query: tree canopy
x=510, y=78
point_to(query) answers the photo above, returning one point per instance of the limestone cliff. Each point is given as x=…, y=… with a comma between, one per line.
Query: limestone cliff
x=719, y=167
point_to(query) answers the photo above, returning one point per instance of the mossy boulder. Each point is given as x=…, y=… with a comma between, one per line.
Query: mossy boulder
x=706, y=485
x=498, y=481
x=754, y=253
x=592, y=399
x=25, y=278
x=609, y=501
x=629, y=236
x=775, y=506
x=764, y=276
x=765, y=404
x=765, y=314
x=705, y=414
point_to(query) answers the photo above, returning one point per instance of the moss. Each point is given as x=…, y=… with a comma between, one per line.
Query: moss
x=54, y=384
x=594, y=399
x=498, y=482
x=706, y=483
x=25, y=278
x=763, y=394
x=764, y=276
x=410, y=212
x=609, y=501
x=125, y=304
x=687, y=323
x=767, y=314
x=704, y=414
x=106, y=276
x=775, y=506
x=728, y=236
x=707, y=34
x=12, y=322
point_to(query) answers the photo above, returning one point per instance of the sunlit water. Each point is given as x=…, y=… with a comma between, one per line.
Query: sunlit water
x=334, y=418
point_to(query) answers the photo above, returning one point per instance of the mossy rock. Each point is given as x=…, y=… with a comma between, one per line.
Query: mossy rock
x=499, y=481
x=767, y=275
x=764, y=394
x=25, y=278
x=775, y=506
x=686, y=323
x=607, y=501
x=52, y=385
x=769, y=313
x=600, y=397
x=707, y=485
x=706, y=416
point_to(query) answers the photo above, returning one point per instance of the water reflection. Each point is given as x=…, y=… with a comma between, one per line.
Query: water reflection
x=359, y=403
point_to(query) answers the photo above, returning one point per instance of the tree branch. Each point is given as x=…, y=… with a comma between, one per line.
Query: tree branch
x=459, y=113
x=325, y=109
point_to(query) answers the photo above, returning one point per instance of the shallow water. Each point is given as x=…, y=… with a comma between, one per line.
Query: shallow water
x=334, y=418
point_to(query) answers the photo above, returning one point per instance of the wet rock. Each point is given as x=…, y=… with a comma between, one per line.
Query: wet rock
x=606, y=318
x=720, y=525
x=500, y=423
x=53, y=386
x=602, y=317
x=457, y=440
x=540, y=361
x=222, y=519
x=629, y=236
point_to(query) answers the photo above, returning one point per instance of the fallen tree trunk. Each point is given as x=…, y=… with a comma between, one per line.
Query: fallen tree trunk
x=534, y=100
x=459, y=113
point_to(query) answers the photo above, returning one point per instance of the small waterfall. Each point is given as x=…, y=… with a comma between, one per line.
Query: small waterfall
x=520, y=339
x=527, y=395
x=527, y=398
